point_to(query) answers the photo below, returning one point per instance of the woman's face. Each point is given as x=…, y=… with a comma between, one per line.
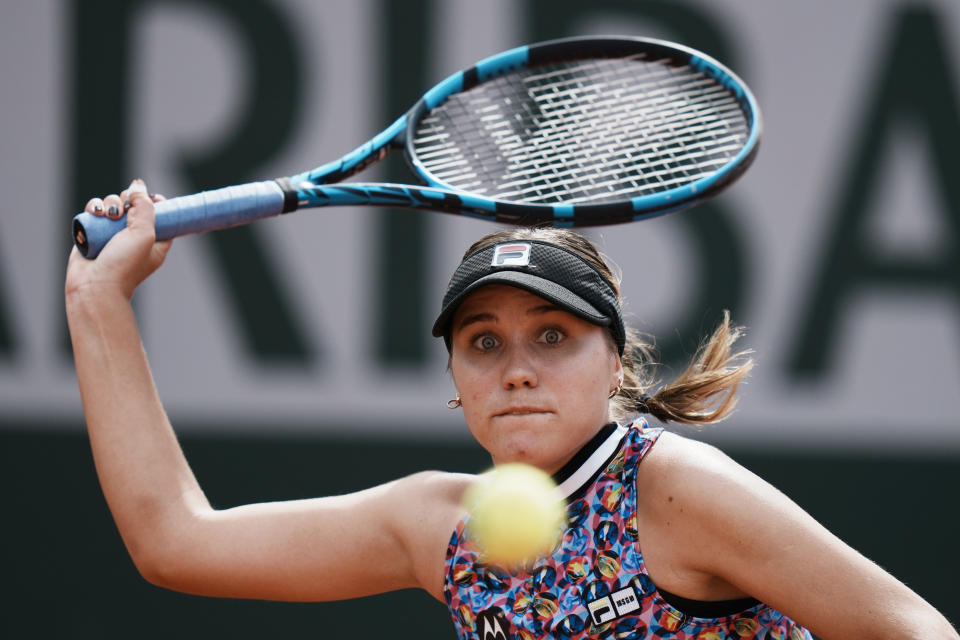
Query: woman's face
x=534, y=380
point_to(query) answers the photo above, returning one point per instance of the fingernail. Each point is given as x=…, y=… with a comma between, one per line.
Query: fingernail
x=98, y=208
x=137, y=181
x=126, y=205
x=113, y=212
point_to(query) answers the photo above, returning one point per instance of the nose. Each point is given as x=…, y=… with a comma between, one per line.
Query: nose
x=519, y=370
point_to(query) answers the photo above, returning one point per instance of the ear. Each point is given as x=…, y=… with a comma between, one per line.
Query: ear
x=617, y=367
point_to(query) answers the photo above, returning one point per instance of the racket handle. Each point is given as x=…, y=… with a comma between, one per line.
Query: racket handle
x=205, y=211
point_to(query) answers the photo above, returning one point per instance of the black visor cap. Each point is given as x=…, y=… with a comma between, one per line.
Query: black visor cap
x=550, y=271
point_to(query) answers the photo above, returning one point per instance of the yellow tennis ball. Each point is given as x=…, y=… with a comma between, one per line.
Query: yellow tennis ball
x=516, y=513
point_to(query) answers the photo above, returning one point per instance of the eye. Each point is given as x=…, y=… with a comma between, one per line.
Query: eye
x=485, y=342
x=552, y=336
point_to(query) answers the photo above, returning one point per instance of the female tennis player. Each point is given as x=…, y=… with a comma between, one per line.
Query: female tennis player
x=666, y=537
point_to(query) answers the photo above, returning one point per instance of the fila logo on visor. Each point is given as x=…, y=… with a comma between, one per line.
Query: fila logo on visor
x=515, y=254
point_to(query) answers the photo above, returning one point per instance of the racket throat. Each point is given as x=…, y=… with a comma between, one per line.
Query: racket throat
x=290, y=198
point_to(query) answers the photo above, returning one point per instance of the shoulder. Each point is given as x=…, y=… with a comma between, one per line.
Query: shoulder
x=679, y=464
x=426, y=508
x=437, y=483
x=433, y=493
x=682, y=473
x=427, y=497
x=695, y=503
x=711, y=529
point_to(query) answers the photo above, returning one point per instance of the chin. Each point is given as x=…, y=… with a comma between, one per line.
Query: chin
x=528, y=439
x=526, y=452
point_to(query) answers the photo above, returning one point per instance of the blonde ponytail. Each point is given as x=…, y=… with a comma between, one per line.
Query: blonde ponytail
x=703, y=394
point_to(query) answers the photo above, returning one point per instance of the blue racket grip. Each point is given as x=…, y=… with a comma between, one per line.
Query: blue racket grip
x=205, y=211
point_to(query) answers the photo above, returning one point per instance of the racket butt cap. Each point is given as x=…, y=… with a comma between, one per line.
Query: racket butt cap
x=80, y=238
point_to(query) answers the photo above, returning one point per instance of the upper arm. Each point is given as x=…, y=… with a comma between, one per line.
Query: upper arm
x=318, y=549
x=731, y=524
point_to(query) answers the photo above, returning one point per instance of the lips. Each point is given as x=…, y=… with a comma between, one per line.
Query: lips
x=520, y=411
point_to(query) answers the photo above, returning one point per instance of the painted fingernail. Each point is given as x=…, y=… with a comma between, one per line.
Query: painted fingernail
x=126, y=205
x=98, y=208
x=113, y=212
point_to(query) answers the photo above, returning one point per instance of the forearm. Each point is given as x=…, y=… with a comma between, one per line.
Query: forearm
x=150, y=489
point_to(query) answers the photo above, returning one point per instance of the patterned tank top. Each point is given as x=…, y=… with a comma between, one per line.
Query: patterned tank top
x=595, y=584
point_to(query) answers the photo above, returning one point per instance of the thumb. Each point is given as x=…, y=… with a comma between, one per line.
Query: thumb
x=140, y=213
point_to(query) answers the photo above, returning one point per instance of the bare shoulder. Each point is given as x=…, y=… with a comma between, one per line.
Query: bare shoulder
x=679, y=449
x=431, y=493
x=426, y=507
x=710, y=529
x=694, y=483
x=438, y=483
x=677, y=465
x=690, y=497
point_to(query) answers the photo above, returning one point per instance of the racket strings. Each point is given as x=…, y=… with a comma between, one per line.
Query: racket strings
x=583, y=131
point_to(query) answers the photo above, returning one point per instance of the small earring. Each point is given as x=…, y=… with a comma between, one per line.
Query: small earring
x=617, y=390
x=454, y=403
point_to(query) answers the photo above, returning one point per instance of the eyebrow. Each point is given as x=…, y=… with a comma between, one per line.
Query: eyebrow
x=489, y=317
x=474, y=318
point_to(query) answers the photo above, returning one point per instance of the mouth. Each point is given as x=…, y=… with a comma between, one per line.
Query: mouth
x=520, y=411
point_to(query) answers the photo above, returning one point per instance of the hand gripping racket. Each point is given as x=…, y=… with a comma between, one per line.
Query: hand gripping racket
x=572, y=132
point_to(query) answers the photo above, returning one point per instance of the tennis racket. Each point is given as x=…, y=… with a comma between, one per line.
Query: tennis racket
x=572, y=132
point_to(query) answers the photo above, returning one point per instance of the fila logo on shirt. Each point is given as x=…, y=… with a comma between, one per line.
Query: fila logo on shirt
x=513, y=254
x=491, y=625
x=615, y=605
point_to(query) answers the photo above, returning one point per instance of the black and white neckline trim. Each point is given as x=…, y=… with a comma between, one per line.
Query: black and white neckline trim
x=583, y=468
